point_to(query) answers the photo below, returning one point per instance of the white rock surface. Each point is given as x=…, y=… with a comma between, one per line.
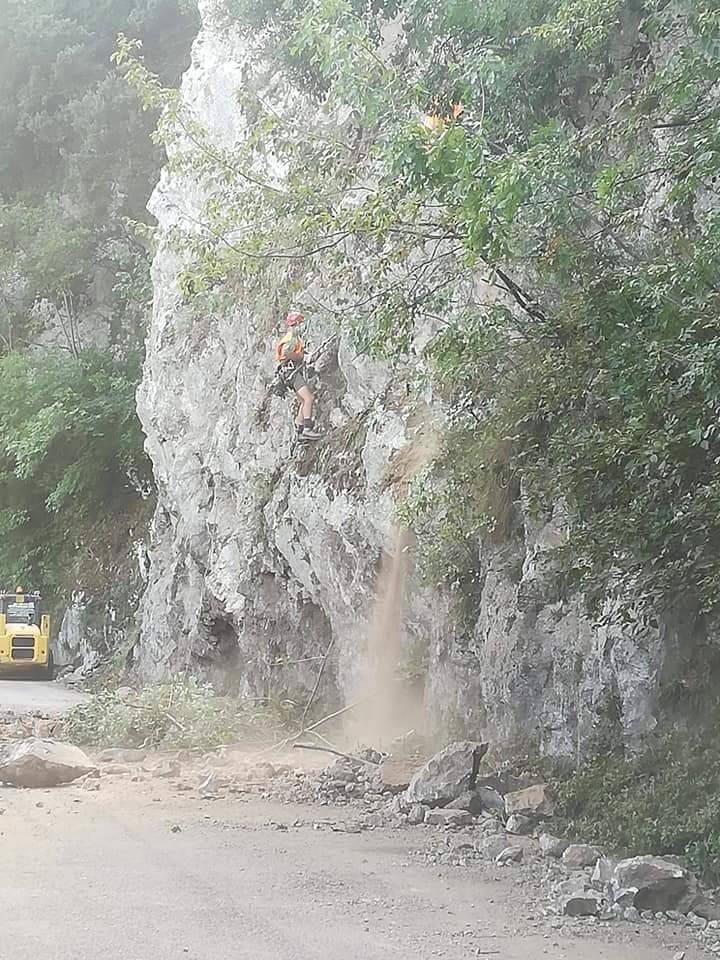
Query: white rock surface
x=258, y=557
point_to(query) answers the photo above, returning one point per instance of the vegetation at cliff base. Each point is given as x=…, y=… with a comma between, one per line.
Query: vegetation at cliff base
x=665, y=801
x=182, y=714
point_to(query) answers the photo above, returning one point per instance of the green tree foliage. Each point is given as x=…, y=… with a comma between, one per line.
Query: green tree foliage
x=569, y=157
x=70, y=452
x=63, y=111
x=77, y=164
x=76, y=158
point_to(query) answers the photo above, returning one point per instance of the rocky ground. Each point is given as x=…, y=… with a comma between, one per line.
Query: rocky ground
x=571, y=886
x=479, y=845
x=162, y=858
x=535, y=888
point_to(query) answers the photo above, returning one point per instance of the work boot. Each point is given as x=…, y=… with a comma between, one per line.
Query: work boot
x=309, y=435
x=309, y=432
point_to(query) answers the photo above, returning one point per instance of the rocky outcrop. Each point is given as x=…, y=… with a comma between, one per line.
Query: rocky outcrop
x=264, y=558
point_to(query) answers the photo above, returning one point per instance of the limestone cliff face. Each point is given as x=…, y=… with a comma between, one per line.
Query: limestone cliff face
x=262, y=557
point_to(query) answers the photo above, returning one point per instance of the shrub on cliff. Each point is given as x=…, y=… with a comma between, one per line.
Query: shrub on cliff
x=563, y=152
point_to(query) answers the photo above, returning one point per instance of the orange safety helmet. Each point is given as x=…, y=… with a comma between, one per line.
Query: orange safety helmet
x=294, y=318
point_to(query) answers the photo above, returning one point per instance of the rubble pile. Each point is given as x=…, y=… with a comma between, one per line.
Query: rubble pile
x=636, y=888
x=480, y=820
x=470, y=820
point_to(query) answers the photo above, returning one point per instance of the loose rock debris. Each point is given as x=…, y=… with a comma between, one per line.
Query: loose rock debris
x=478, y=823
x=470, y=820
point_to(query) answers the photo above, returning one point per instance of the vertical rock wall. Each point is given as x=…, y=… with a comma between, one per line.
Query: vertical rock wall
x=262, y=556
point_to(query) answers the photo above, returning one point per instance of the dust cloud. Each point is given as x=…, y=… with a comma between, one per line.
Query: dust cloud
x=388, y=705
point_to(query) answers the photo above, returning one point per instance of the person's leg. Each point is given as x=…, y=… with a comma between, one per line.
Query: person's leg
x=306, y=403
x=308, y=431
x=305, y=396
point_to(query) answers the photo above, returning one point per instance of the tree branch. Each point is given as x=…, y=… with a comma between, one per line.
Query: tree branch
x=682, y=122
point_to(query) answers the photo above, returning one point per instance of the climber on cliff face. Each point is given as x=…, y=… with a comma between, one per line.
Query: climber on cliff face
x=290, y=360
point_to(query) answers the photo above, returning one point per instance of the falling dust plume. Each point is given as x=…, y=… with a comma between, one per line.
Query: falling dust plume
x=389, y=705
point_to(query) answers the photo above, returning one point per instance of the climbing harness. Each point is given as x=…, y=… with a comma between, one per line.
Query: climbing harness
x=282, y=381
x=285, y=371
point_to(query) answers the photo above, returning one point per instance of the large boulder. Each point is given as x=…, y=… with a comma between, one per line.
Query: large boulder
x=575, y=898
x=553, y=846
x=580, y=855
x=531, y=802
x=470, y=800
x=655, y=884
x=448, y=774
x=43, y=763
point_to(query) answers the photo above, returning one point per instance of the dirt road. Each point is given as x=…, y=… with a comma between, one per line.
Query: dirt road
x=144, y=871
x=26, y=696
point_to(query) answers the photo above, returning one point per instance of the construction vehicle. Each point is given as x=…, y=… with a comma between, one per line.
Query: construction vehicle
x=24, y=635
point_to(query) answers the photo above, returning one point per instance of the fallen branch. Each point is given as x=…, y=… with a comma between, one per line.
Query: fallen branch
x=290, y=663
x=319, y=677
x=322, y=739
x=170, y=717
x=313, y=726
x=177, y=723
x=332, y=716
x=337, y=753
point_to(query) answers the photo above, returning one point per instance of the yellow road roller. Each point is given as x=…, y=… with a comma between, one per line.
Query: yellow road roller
x=24, y=635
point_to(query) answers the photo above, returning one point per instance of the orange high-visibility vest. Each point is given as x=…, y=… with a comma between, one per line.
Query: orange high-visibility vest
x=289, y=344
